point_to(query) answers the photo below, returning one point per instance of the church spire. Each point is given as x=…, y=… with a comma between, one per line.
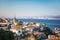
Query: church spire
x=14, y=19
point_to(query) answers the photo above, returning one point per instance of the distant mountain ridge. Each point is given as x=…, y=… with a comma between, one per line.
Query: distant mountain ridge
x=40, y=17
x=55, y=16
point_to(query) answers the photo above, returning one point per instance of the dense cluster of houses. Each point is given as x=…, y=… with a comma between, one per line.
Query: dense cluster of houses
x=32, y=28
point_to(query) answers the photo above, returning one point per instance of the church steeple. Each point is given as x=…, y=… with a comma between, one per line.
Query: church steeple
x=14, y=19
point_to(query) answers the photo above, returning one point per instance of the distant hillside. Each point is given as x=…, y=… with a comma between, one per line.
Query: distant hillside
x=55, y=16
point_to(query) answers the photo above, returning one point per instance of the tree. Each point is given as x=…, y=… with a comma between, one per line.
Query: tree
x=48, y=31
x=6, y=35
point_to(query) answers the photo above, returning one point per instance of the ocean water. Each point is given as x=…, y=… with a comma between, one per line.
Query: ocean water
x=50, y=23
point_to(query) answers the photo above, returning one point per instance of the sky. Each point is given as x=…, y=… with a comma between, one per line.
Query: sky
x=21, y=8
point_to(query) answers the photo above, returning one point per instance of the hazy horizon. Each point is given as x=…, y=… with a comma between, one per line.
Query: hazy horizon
x=21, y=8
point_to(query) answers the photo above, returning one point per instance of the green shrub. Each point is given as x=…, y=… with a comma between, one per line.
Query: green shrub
x=38, y=38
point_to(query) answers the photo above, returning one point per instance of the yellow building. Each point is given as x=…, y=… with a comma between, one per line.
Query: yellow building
x=19, y=27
